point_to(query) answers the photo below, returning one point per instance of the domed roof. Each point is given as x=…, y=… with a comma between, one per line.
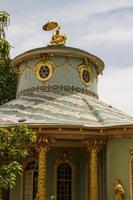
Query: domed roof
x=61, y=108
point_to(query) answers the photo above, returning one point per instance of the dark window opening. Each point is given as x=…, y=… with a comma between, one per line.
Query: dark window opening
x=6, y=194
x=64, y=182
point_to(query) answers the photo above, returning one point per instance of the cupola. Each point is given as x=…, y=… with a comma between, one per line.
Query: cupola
x=57, y=67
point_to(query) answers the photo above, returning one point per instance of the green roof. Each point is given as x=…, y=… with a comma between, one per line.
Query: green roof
x=61, y=108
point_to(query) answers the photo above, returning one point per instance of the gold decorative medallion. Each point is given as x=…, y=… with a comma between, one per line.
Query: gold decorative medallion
x=44, y=70
x=85, y=74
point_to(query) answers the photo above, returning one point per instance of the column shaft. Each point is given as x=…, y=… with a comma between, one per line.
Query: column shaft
x=94, y=146
x=93, y=176
x=41, y=195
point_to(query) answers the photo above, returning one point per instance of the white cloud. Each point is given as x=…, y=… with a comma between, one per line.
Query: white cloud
x=116, y=88
x=114, y=36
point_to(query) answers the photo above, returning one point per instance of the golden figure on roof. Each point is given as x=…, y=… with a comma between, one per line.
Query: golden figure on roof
x=57, y=39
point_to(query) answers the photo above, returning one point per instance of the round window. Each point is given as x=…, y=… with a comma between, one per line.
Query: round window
x=85, y=74
x=44, y=70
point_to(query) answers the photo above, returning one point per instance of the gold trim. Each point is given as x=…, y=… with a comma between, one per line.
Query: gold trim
x=80, y=70
x=94, y=145
x=51, y=66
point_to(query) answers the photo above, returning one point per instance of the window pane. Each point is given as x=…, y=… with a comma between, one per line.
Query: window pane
x=64, y=182
x=28, y=185
x=30, y=181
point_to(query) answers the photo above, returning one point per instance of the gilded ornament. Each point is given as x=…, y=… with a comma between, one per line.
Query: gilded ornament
x=50, y=26
x=44, y=70
x=85, y=74
x=94, y=144
x=131, y=150
x=119, y=191
x=58, y=39
x=52, y=197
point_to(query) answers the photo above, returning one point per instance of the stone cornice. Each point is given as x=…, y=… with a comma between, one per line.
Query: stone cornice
x=77, y=132
x=65, y=51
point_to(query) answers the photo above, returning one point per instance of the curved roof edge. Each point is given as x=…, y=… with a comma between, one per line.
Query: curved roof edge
x=72, y=126
x=62, y=51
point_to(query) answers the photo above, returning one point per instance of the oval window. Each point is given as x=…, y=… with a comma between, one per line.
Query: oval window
x=44, y=70
x=85, y=74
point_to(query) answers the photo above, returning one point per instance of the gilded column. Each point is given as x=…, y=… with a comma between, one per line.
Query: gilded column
x=94, y=146
x=41, y=195
x=42, y=172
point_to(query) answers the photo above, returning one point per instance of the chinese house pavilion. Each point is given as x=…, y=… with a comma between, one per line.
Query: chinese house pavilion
x=85, y=146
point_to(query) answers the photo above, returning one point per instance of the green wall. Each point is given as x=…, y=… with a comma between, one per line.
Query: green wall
x=79, y=157
x=118, y=162
x=63, y=74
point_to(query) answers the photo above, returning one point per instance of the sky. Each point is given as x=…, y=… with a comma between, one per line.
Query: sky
x=101, y=27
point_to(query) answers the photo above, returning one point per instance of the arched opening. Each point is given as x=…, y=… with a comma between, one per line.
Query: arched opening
x=30, y=181
x=64, y=182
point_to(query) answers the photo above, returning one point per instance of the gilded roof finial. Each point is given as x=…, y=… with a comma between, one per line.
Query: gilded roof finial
x=57, y=39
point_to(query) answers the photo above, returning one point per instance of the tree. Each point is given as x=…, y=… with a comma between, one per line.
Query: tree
x=15, y=143
x=8, y=79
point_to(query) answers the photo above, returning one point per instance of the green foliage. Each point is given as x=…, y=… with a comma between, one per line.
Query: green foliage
x=4, y=22
x=14, y=145
x=4, y=50
x=8, y=79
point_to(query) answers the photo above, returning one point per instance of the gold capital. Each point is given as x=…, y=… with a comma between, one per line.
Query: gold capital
x=94, y=144
x=44, y=142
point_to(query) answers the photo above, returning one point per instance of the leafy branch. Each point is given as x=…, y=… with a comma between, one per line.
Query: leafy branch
x=15, y=145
